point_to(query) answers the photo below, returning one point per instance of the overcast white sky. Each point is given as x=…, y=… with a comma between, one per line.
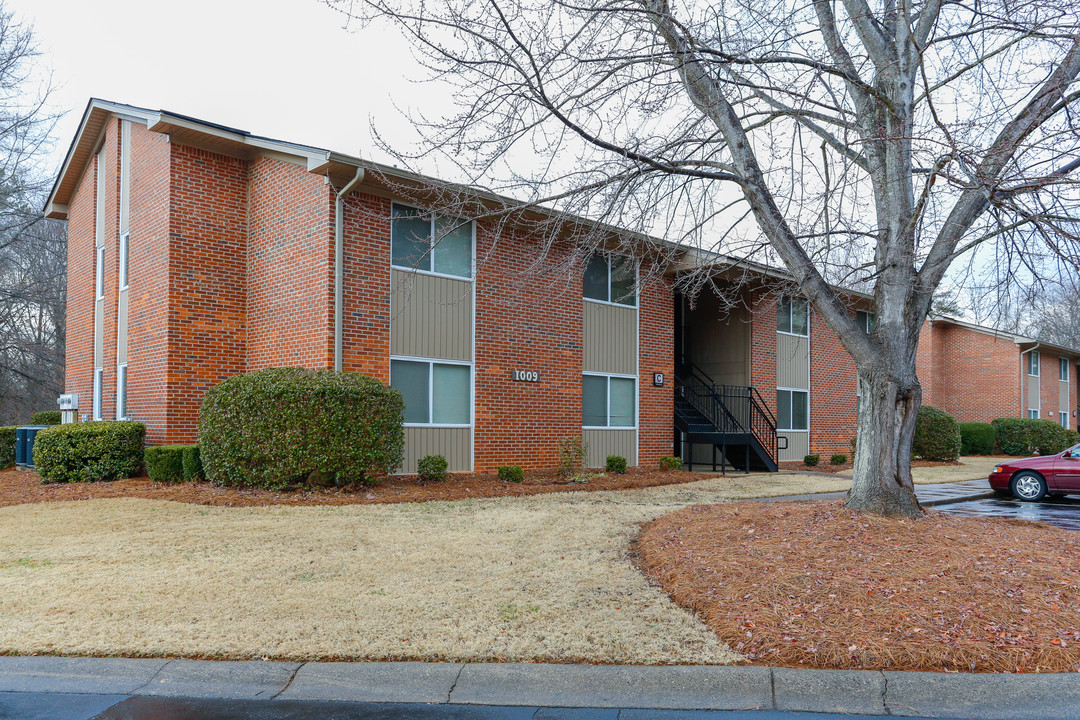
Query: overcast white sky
x=282, y=68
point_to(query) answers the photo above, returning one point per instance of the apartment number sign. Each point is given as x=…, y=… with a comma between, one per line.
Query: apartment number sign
x=526, y=376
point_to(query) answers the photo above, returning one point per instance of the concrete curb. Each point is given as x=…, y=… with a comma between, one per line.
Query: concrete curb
x=675, y=688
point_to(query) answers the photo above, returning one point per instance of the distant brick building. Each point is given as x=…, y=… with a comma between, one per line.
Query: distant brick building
x=198, y=251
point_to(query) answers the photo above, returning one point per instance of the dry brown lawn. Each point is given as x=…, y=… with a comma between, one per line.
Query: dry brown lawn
x=813, y=585
x=544, y=578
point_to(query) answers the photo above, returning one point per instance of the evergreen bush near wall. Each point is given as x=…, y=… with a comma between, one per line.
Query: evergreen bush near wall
x=45, y=417
x=1047, y=437
x=976, y=438
x=670, y=462
x=281, y=426
x=1026, y=436
x=838, y=459
x=615, y=464
x=432, y=468
x=7, y=446
x=811, y=460
x=193, y=469
x=1072, y=437
x=89, y=452
x=165, y=463
x=937, y=435
x=511, y=473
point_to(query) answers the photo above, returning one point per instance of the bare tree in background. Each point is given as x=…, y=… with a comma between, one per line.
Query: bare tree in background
x=32, y=250
x=868, y=145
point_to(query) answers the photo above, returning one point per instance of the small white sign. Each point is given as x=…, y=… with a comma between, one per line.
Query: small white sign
x=69, y=401
x=527, y=375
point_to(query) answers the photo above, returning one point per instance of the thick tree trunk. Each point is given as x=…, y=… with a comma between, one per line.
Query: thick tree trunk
x=889, y=405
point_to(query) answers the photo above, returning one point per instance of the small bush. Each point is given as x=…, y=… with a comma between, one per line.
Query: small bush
x=838, y=459
x=670, y=462
x=511, y=473
x=45, y=417
x=811, y=460
x=976, y=438
x=615, y=464
x=165, y=463
x=281, y=426
x=1047, y=437
x=572, y=454
x=193, y=469
x=89, y=452
x=1013, y=435
x=7, y=446
x=1072, y=437
x=432, y=468
x=937, y=435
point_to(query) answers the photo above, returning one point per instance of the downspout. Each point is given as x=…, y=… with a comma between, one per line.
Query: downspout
x=339, y=264
x=1024, y=381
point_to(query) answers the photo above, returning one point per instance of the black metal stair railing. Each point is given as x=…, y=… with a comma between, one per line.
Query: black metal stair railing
x=730, y=409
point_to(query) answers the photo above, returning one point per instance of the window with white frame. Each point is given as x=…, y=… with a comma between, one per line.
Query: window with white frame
x=99, y=273
x=867, y=321
x=1063, y=369
x=793, y=316
x=99, y=374
x=121, y=391
x=125, y=241
x=1033, y=363
x=1033, y=414
x=610, y=279
x=430, y=243
x=1063, y=418
x=435, y=392
x=608, y=401
x=792, y=409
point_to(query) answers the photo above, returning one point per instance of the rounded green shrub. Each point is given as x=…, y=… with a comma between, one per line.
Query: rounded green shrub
x=45, y=417
x=1013, y=435
x=89, y=452
x=511, y=473
x=1047, y=437
x=7, y=446
x=811, y=460
x=281, y=426
x=432, y=468
x=937, y=435
x=670, y=462
x=838, y=459
x=615, y=464
x=192, y=462
x=165, y=463
x=1072, y=437
x=976, y=438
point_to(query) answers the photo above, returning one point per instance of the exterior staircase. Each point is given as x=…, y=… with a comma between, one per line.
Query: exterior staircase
x=731, y=419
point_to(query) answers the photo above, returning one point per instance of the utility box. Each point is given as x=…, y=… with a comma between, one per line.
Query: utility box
x=24, y=444
x=69, y=406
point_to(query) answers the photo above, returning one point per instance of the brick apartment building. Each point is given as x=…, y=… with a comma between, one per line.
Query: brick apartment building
x=197, y=251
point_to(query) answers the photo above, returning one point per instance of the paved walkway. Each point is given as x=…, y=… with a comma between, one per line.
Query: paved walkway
x=624, y=691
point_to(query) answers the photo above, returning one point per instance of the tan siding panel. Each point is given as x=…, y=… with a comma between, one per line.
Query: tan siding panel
x=454, y=444
x=603, y=443
x=1033, y=396
x=121, y=327
x=718, y=340
x=99, y=332
x=610, y=339
x=798, y=446
x=431, y=316
x=792, y=361
x=1063, y=396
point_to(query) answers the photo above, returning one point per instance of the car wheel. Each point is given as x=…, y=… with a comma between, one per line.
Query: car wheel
x=1028, y=486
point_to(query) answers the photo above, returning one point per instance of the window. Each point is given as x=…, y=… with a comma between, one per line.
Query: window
x=121, y=391
x=124, y=243
x=792, y=316
x=1063, y=369
x=608, y=401
x=792, y=409
x=867, y=321
x=1063, y=418
x=431, y=243
x=1033, y=414
x=610, y=279
x=99, y=273
x=1033, y=363
x=98, y=375
x=435, y=393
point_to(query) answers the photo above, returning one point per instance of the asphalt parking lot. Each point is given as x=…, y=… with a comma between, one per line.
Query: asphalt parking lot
x=1060, y=512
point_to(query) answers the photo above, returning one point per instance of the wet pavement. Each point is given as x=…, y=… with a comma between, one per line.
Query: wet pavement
x=1059, y=512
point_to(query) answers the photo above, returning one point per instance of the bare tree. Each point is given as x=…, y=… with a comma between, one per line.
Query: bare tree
x=865, y=145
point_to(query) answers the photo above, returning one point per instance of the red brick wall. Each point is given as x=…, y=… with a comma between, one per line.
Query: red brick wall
x=833, y=392
x=656, y=347
x=79, y=323
x=207, y=267
x=110, y=154
x=978, y=375
x=290, y=267
x=366, y=322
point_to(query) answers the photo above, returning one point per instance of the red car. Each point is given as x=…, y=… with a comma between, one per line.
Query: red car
x=1034, y=478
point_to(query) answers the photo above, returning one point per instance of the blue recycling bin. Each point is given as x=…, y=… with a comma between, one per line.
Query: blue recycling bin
x=24, y=444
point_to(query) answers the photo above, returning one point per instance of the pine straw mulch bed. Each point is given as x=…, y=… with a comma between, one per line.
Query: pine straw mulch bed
x=814, y=585
x=22, y=486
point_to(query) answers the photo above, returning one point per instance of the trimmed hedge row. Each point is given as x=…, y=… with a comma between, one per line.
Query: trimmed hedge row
x=977, y=438
x=89, y=452
x=174, y=463
x=45, y=417
x=937, y=435
x=1025, y=436
x=7, y=446
x=281, y=426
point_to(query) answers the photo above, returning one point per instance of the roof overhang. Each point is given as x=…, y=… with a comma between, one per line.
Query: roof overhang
x=1024, y=343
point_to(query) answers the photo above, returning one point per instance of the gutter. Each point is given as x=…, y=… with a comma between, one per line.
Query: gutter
x=339, y=263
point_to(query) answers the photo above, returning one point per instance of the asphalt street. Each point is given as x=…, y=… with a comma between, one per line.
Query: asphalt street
x=1060, y=512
